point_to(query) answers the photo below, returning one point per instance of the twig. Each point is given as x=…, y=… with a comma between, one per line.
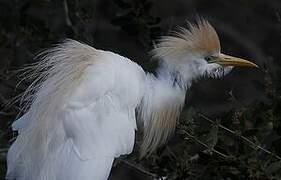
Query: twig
x=8, y=103
x=196, y=156
x=4, y=150
x=252, y=144
x=139, y=168
x=171, y=152
x=66, y=11
x=205, y=145
x=6, y=113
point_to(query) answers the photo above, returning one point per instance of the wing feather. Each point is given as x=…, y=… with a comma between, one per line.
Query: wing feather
x=85, y=106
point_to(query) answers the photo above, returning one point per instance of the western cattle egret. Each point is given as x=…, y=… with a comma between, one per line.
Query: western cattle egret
x=83, y=101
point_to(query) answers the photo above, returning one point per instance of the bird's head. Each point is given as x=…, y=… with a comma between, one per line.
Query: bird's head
x=196, y=52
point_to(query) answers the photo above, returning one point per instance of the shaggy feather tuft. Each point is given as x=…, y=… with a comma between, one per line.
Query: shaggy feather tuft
x=56, y=75
x=159, y=110
x=200, y=37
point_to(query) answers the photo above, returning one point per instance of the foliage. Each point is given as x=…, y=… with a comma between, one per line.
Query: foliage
x=241, y=142
x=135, y=18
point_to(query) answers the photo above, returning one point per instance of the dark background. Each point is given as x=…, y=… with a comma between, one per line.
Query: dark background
x=246, y=101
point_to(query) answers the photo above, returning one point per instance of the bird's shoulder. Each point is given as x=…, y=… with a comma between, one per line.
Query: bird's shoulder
x=103, y=106
x=112, y=74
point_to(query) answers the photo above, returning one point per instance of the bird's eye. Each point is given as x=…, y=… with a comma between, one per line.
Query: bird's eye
x=208, y=58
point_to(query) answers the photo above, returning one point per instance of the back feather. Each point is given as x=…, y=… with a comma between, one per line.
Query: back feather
x=56, y=76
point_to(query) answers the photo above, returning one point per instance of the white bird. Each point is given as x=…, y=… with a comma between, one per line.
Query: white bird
x=83, y=104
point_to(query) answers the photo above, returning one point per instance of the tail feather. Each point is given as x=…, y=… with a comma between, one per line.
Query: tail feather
x=66, y=165
x=73, y=168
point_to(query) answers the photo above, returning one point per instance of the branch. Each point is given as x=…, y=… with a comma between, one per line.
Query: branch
x=4, y=150
x=205, y=145
x=9, y=103
x=252, y=144
x=66, y=11
x=3, y=113
x=139, y=168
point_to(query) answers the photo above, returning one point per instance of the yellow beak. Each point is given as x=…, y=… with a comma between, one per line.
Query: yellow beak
x=227, y=60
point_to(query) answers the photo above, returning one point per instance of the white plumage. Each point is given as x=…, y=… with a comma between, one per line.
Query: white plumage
x=82, y=104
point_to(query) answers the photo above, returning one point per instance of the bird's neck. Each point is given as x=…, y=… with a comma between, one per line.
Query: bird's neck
x=177, y=76
x=161, y=106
